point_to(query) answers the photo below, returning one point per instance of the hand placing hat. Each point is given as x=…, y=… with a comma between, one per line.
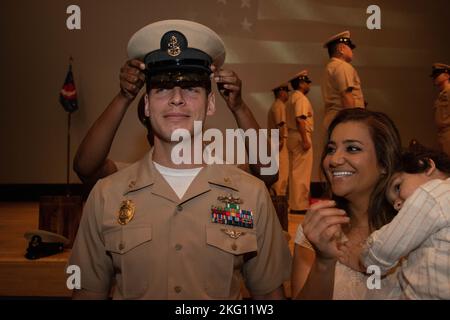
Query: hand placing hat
x=132, y=78
x=229, y=86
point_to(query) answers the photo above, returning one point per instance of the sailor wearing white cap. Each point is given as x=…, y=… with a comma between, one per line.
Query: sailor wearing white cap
x=341, y=87
x=161, y=230
x=276, y=119
x=299, y=116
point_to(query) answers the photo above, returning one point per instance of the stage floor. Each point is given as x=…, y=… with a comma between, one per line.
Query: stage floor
x=44, y=277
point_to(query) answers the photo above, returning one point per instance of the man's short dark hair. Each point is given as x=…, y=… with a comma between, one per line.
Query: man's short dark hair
x=181, y=78
x=332, y=49
x=295, y=83
x=277, y=91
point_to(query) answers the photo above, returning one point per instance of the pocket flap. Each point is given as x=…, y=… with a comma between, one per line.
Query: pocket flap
x=124, y=239
x=231, y=239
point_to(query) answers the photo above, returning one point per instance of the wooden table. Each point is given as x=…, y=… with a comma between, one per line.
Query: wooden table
x=19, y=276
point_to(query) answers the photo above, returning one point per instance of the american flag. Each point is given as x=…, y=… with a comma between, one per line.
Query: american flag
x=272, y=40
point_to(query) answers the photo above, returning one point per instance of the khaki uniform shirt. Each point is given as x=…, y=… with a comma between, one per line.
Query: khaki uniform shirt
x=277, y=115
x=339, y=76
x=298, y=105
x=171, y=249
x=442, y=110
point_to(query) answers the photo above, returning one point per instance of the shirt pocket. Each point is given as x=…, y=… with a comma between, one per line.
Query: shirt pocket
x=227, y=246
x=130, y=247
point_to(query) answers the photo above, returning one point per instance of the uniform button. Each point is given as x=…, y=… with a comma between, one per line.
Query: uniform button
x=226, y=180
x=234, y=247
x=177, y=289
x=132, y=184
x=121, y=246
x=178, y=247
x=179, y=207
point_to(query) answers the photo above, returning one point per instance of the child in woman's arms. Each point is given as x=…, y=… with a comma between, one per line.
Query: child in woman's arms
x=420, y=191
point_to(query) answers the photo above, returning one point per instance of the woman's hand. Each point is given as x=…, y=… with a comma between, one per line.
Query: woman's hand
x=322, y=228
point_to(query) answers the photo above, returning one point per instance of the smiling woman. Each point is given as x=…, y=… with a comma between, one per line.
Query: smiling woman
x=368, y=144
x=362, y=151
x=351, y=164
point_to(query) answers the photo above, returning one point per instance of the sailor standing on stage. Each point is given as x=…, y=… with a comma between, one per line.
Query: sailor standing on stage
x=276, y=119
x=342, y=87
x=300, y=124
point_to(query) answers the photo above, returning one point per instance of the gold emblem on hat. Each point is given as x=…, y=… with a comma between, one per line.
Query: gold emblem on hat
x=174, y=49
x=233, y=234
x=126, y=212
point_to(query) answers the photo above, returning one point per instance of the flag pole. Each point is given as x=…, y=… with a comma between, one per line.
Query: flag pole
x=68, y=154
x=69, y=118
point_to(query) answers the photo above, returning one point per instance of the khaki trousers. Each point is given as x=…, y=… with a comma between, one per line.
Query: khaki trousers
x=280, y=187
x=300, y=167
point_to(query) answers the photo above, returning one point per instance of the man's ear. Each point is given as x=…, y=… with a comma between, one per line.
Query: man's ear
x=211, y=107
x=147, y=107
x=340, y=48
x=432, y=167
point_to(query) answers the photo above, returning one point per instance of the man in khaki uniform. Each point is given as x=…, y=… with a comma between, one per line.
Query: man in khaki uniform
x=299, y=116
x=276, y=119
x=159, y=230
x=342, y=87
x=440, y=75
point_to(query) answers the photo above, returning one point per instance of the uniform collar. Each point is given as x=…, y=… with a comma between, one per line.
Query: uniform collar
x=298, y=92
x=337, y=60
x=147, y=175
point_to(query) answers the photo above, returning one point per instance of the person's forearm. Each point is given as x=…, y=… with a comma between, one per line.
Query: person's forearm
x=302, y=129
x=245, y=120
x=320, y=282
x=94, y=148
x=347, y=100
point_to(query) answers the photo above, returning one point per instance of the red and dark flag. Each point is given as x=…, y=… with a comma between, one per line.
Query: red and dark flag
x=68, y=93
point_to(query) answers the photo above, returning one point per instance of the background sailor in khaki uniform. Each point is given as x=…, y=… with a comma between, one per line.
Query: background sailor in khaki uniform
x=341, y=87
x=440, y=75
x=299, y=116
x=276, y=119
x=166, y=231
